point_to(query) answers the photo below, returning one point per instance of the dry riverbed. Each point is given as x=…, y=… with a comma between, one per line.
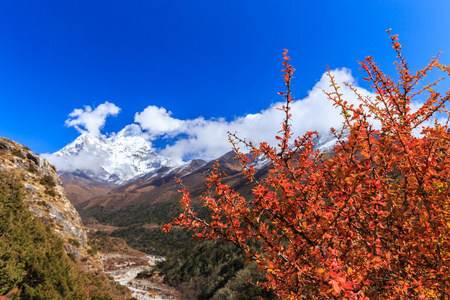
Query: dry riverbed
x=124, y=269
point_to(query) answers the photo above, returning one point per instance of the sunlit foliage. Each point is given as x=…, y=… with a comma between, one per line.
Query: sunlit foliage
x=371, y=222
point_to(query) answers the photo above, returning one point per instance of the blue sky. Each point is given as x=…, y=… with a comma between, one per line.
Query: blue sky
x=202, y=61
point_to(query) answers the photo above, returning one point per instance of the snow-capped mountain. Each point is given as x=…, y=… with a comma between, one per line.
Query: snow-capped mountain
x=117, y=159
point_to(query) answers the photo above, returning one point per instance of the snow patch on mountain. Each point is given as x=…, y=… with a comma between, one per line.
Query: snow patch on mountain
x=119, y=158
x=324, y=142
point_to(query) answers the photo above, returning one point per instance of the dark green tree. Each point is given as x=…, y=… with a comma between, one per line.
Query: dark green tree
x=33, y=263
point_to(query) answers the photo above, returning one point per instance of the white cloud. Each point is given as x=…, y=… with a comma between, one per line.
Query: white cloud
x=158, y=121
x=81, y=161
x=91, y=120
x=208, y=139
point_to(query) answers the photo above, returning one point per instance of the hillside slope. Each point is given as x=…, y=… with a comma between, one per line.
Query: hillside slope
x=44, y=194
x=44, y=251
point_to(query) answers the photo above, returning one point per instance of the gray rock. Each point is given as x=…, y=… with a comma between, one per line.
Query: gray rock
x=4, y=145
x=35, y=158
x=31, y=189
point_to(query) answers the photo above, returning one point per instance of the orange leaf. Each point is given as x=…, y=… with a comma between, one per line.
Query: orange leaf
x=335, y=286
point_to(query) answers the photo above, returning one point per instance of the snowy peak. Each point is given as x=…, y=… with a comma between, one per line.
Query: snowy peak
x=129, y=140
x=117, y=159
x=85, y=142
x=132, y=130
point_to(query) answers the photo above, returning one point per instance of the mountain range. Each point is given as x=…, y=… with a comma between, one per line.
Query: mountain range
x=124, y=170
x=126, y=156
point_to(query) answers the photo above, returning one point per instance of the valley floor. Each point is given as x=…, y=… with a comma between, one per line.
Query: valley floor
x=124, y=269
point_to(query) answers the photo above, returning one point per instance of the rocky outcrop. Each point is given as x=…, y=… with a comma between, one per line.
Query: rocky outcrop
x=46, y=197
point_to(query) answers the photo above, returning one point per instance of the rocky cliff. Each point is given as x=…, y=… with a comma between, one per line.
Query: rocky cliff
x=45, y=196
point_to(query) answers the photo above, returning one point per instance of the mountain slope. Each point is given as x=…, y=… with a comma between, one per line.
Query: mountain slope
x=159, y=189
x=80, y=187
